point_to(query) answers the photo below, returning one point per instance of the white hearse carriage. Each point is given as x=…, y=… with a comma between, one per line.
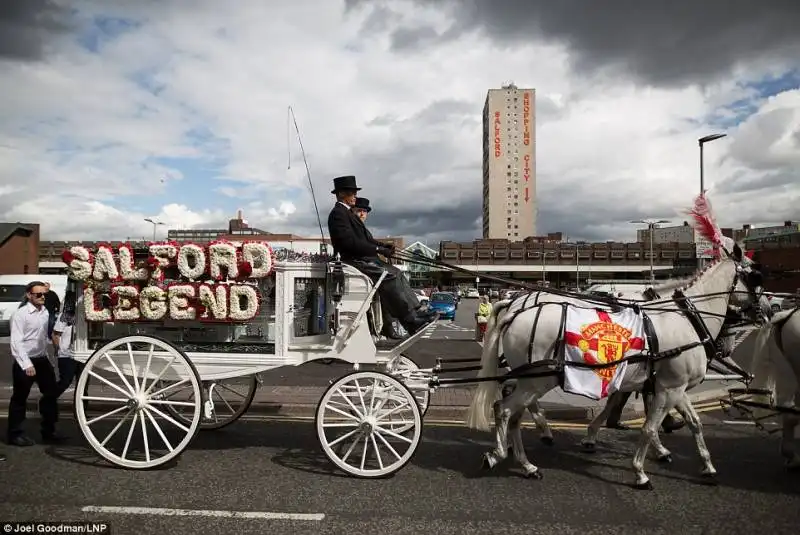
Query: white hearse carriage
x=174, y=337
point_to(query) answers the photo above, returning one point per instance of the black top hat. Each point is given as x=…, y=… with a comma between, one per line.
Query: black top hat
x=363, y=204
x=343, y=183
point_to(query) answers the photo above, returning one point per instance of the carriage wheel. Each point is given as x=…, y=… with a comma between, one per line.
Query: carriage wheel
x=127, y=394
x=355, y=424
x=396, y=367
x=229, y=400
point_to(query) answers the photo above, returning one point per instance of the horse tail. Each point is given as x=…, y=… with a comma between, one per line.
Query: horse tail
x=478, y=415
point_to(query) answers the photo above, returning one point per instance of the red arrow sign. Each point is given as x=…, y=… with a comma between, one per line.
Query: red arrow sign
x=527, y=195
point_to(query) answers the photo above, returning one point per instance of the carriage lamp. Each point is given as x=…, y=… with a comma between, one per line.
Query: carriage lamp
x=337, y=278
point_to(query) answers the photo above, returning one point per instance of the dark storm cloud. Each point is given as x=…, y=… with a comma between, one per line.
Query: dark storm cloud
x=743, y=182
x=28, y=26
x=665, y=43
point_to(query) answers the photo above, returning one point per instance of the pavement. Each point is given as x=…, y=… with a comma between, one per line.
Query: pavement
x=295, y=391
x=264, y=476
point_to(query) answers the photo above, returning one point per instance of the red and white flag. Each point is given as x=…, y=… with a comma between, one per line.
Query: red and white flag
x=594, y=336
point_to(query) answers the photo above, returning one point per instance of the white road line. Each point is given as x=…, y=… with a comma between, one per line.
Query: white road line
x=260, y=515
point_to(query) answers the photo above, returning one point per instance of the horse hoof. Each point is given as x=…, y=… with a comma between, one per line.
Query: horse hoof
x=537, y=474
x=647, y=485
x=665, y=459
x=709, y=479
x=547, y=441
x=486, y=462
x=589, y=447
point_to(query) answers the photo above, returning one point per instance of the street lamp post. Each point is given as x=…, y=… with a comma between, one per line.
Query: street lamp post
x=155, y=223
x=702, y=141
x=651, y=225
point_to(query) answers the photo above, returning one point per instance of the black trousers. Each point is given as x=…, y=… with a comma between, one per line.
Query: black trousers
x=395, y=292
x=68, y=370
x=45, y=378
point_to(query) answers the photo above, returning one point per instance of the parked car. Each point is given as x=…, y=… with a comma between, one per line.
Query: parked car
x=444, y=303
x=472, y=293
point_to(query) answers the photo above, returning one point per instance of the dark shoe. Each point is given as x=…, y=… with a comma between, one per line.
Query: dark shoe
x=427, y=317
x=617, y=425
x=53, y=438
x=21, y=441
x=2, y=457
x=671, y=424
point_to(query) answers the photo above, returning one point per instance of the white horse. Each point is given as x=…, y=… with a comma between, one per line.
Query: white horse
x=724, y=283
x=776, y=368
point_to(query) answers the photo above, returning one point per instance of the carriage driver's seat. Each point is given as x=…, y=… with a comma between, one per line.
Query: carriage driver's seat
x=337, y=284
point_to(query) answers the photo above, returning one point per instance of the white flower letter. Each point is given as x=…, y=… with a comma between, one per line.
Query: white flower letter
x=126, y=309
x=104, y=265
x=179, y=308
x=165, y=253
x=89, y=310
x=188, y=255
x=215, y=299
x=250, y=308
x=126, y=265
x=260, y=257
x=222, y=254
x=81, y=265
x=152, y=303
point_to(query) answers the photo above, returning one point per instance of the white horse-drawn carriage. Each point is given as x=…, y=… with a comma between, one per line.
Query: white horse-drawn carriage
x=174, y=338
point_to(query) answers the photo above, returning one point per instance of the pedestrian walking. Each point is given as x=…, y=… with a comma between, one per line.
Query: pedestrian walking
x=482, y=316
x=52, y=303
x=29, y=326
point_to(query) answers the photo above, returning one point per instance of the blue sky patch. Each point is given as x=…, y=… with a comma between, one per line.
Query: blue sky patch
x=104, y=29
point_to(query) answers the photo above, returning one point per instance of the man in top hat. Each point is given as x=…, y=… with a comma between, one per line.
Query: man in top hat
x=362, y=209
x=355, y=245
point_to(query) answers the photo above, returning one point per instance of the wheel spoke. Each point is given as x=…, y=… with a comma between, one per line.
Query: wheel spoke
x=231, y=390
x=364, y=451
x=225, y=401
x=147, y=368
x=106, y=415
x=377, y=451
x=160, y=375
x=351, y=448
x=131, y=391
x=145, y=441
x=361, y=397
x=385, y=415
x=342, y=424
x=343, y=437
x=116, y=427
x=168, y=418
x=168, y=387
x=169, y=402
x=98, y=398
x=345, y=414
x=130, y=434
x=386, y=443
x=158, y=429
x=133, y=368
x=392, y=434
x=347, y=399
x=109, y=383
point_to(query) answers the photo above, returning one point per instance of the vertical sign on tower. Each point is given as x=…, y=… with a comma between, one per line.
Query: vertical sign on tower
x=497, y=151
x=526, y=140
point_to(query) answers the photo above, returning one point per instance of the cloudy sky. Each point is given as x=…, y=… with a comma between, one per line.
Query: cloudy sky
x=113, y=111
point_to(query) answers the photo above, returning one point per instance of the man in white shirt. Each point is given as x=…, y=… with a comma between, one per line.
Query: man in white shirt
x=29, y=325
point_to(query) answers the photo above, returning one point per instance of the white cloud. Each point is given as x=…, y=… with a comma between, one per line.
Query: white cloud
x=79, y=136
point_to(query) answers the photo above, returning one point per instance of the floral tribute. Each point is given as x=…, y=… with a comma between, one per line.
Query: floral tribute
x=215, y=282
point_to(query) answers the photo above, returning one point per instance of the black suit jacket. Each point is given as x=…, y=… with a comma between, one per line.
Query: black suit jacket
x=349, y=237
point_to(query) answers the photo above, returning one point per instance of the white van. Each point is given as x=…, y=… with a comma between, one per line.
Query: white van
x=12, y=290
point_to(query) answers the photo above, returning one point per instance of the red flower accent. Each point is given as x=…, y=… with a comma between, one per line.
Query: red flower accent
x=245, y=270
x=114, y=297
x=67, y=257
x=153, y=263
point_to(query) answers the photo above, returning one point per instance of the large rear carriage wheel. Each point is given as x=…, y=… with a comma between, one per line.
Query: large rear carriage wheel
x=226, y=401
x=356, y=427
x=125, y=413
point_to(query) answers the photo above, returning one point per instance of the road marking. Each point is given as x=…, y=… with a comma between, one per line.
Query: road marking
x=261, y=515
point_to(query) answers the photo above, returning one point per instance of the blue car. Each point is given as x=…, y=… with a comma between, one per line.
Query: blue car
x=444, y=303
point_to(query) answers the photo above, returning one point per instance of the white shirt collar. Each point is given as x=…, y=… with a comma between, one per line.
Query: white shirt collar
x=30, y=308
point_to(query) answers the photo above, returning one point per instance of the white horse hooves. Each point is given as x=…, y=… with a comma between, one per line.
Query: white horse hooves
x=647, y=485
x=536, y=474
x=709, y=478
x=589, y=447
x=665, y=459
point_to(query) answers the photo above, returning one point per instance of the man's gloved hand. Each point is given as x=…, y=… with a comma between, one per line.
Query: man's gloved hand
x=385, y=250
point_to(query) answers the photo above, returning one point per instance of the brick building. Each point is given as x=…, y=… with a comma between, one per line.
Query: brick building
x=19, y=248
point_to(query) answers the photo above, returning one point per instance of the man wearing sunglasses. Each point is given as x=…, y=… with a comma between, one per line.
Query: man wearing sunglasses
x=29, y=326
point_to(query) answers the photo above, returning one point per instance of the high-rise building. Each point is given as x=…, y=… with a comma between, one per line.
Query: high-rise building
x=509, y=163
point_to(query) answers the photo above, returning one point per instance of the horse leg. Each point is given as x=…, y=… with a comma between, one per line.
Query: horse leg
x=649, y=435
x=515, y=432
x=790, y=423
x=541, y=422
x=690, y=416
x=590, y=440
x=505, y=409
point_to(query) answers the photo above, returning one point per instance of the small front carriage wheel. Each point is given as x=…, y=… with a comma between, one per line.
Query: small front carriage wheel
x=356, y=424
x=132, y=379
